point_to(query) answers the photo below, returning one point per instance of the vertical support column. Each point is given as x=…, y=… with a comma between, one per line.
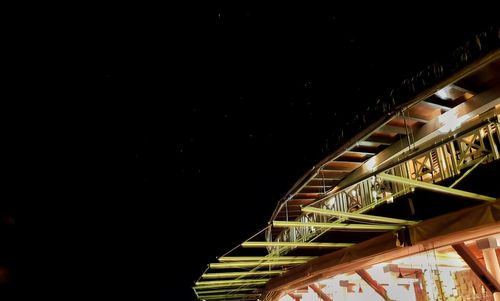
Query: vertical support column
x=488, y=247
x=456, y=170
x=494, y=147
x=442, y=163
x=498, y=127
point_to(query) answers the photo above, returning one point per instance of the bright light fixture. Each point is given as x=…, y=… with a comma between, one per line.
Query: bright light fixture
x=444, y=93
x=370, y=164
x=330, y=202
x=450, y=122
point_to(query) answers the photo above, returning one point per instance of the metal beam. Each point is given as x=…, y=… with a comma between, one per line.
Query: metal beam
x=249, y=264
x=468, y=172
x=360, y=152
x=240, y=274
x=369, y=143
x=263, y=258
x=436, y=188
x=224, y=297
x=316, y=186
x=234, y=290
x=335, y=226
x=342, y=163
x=475, y=106
x=265, y=244
x=320, y=293
x=237, y=281
x=373, y=284
x=211, y=286
x=481, y=272
x=359, y=216
x=229, y=298
x=323, y=180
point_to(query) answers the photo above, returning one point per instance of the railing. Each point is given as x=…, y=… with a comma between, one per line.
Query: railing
x=444, y=161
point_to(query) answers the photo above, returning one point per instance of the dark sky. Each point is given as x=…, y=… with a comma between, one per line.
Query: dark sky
x=189, y=124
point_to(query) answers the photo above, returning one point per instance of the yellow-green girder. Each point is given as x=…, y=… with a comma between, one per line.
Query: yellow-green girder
x=336, y=226
x=437, y=188
x=264, y=258
x=359, y=216
x=240, y=274
x=248, y=264
x=265, y=244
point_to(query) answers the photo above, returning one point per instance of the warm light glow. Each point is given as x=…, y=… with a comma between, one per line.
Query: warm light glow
x=390, y=198
x=224, y=297
x=211, y=286
x=468, y=95
x=428, y=275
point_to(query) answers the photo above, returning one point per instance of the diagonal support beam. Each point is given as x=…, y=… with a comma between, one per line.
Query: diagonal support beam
x=240, y=274
x=233, y=290
x=237, y=285
x=238, y=281
x=359, y=216
x=264, y=258
x=265, y=244
x=481, y=272
x=335, y=226
x=468, y=172
x=250, y=264
x=231, y=296
x=373, y=284
x=436, y=188
x=320, y=293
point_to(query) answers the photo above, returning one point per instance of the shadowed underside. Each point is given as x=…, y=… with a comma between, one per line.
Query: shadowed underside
x=378, y=187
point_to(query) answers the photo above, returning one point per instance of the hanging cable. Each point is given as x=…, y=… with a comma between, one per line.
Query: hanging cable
x=406, y=130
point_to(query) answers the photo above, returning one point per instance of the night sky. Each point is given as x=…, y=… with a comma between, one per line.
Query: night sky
x=183, y=127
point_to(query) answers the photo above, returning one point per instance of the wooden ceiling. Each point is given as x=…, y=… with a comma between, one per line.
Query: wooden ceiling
x=332, y=172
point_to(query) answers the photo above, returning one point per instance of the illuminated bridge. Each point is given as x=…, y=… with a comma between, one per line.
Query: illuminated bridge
x=406, y=210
